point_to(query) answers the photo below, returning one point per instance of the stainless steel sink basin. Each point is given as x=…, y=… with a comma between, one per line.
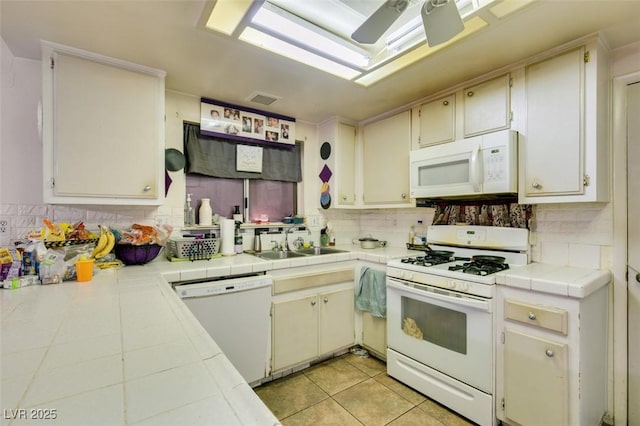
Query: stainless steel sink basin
x=275, y=255
x=320, y=250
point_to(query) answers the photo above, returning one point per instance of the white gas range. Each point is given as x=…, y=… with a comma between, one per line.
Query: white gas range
x=440, y=324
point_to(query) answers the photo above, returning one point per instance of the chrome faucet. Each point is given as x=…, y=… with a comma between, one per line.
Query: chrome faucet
x=286, y=239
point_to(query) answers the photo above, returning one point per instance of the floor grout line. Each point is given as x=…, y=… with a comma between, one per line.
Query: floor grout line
x=373, y=373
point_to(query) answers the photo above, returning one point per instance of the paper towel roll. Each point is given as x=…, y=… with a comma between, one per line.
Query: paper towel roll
x=227, y=233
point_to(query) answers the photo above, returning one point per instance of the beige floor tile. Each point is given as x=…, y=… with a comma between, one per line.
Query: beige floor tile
x=443, y=414
x=370, y=365
x=416, y=417
x=373, y=403
x=327, y=412
x=404, y=391
x=291, y=394
x=335, y=375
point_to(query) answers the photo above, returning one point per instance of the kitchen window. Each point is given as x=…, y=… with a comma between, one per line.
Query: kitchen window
x=211, y=174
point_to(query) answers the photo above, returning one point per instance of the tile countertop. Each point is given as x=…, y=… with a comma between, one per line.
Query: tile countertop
x=553, y=279
x=123, y=349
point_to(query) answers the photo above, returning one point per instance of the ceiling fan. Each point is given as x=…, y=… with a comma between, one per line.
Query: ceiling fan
x=440, y=18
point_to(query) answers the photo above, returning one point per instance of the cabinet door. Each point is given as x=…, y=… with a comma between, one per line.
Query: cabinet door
x=536, y=380
x=374, y=334
x=386, y=145
x=345, y=164
x=437, y=121
x=103, y=130
x=336, y=320
x=295, y=331
x=487, y=106
x=553, y=148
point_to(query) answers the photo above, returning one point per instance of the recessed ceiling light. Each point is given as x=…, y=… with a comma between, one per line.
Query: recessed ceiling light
x=318, y=35
x=281, y=47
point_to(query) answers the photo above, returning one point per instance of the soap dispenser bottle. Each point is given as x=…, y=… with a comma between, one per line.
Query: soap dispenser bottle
x=189, y=213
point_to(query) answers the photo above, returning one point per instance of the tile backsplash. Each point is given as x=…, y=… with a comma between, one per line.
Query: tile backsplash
x=578, y=235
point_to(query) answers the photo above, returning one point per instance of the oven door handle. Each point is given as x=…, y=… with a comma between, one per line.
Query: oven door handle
x=467, y=302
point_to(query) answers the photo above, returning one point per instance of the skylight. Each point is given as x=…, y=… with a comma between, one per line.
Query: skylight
x=318, y=33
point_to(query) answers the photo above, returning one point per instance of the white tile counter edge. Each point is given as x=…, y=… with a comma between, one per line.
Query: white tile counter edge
x=555, y=279
x=126, y=343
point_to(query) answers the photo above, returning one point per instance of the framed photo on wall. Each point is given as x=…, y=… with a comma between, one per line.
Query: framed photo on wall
x=245, y=124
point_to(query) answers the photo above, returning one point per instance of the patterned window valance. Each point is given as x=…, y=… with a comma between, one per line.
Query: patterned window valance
x=484, y=213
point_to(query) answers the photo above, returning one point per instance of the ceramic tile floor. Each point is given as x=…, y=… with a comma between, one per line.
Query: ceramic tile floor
x=351, y=390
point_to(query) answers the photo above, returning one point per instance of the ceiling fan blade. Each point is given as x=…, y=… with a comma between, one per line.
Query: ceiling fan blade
x=379, y=22
x=441, y=20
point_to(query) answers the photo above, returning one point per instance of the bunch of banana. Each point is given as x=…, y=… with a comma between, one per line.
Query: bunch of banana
x=105, y=243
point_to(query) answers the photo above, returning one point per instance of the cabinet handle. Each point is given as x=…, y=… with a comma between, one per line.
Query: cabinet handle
x=403, y=195
x=326, y=300
x=638, y=278
x=445, y=103
x=532, y=316
x=344, y=198
x=469, y=93
x=536, y=185
x=549, y=353
x=147, y=188
x=313, y=303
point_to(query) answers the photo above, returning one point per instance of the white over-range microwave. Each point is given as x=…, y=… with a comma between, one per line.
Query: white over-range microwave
x=480, y=166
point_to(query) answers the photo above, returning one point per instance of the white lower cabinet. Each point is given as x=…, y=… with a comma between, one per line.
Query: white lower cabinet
x=551, y=358
x=309, y=322
x=535, y=371
x=295, y=331
x=374, y=334
x=336, y=325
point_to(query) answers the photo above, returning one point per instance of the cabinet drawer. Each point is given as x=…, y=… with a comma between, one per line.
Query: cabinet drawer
x=306, y=281
x=553, y=319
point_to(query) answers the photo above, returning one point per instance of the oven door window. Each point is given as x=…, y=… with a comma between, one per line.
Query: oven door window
x=435, y=324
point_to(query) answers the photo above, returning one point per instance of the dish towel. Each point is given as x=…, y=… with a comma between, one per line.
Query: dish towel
x=371, y=292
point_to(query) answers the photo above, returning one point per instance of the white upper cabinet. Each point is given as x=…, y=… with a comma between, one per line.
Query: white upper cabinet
x=103, y=129
x=487, y=106
x=564, y=150
x=438, y=121
x=480, y=108
x=340, y=150
x=386, y=146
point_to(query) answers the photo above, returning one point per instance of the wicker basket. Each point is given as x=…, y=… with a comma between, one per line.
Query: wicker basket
x=193, y=249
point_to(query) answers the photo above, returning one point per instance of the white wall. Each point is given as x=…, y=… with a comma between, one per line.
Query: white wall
x=20, y=150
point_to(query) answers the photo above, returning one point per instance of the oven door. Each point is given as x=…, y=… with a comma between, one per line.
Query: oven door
x=444, y=330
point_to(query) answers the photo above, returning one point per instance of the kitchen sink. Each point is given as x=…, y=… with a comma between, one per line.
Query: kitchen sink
x=312, y=251
x=320, y=250
x=275, y=255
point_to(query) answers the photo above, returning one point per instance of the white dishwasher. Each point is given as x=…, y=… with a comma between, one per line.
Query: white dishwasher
x=236, y=314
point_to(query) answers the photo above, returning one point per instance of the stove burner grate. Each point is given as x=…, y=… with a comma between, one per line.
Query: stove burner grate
x=480, y=268
x=427, y=260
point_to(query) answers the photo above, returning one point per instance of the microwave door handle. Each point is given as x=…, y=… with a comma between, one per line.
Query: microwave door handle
x=474, y=168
